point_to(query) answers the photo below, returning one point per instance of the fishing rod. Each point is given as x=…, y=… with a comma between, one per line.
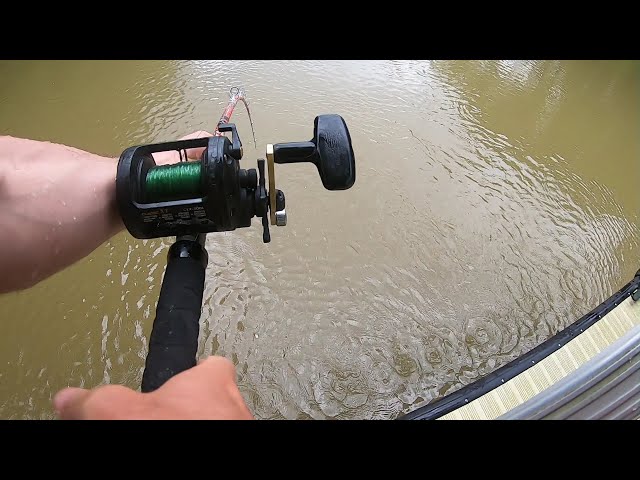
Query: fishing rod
x=189, y=199
x=237, y=94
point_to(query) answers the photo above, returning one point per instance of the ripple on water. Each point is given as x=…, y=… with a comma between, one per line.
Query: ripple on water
x=474, y=231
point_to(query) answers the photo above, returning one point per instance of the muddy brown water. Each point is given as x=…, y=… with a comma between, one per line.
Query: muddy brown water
x=496, y=202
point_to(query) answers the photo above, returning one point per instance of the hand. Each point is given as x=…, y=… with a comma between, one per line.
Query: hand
x=167, y=158
x=207, y=391
x=49, y=193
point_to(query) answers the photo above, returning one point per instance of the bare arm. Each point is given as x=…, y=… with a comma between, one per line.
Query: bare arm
x=57, y=205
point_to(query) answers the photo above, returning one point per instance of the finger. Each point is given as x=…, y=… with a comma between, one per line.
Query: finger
x=220, y=369
x=208, y=391
x=225, y=371
x=219, y=366
x=166, y=158
x=68, y=403
x=195, y=153
x=219, y=375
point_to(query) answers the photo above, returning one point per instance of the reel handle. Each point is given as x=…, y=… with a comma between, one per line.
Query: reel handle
x=330, y=151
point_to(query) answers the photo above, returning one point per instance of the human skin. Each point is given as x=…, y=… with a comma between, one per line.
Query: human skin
x=58, y=206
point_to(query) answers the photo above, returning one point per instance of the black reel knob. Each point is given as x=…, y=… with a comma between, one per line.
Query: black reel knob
x=330, y=151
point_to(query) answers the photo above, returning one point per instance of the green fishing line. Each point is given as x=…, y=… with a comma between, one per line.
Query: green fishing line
x=173, y=182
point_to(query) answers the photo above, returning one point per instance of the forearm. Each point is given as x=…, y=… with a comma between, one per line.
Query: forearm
x=57, y=206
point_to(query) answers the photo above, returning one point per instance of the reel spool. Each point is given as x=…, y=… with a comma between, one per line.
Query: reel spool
x=214, y=194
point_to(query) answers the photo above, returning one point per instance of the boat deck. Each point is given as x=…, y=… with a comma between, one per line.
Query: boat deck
x=589, y=370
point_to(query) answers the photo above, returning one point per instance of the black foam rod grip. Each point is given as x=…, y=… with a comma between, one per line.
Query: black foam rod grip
x=174, y=338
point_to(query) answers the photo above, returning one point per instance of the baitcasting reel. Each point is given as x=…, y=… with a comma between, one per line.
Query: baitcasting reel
x=191, y=198
x=215, y=194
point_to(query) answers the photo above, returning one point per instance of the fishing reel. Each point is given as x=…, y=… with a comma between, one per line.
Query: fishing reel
x=214, y=194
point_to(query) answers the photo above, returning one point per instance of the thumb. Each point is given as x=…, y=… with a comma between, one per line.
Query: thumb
x=68, y=403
